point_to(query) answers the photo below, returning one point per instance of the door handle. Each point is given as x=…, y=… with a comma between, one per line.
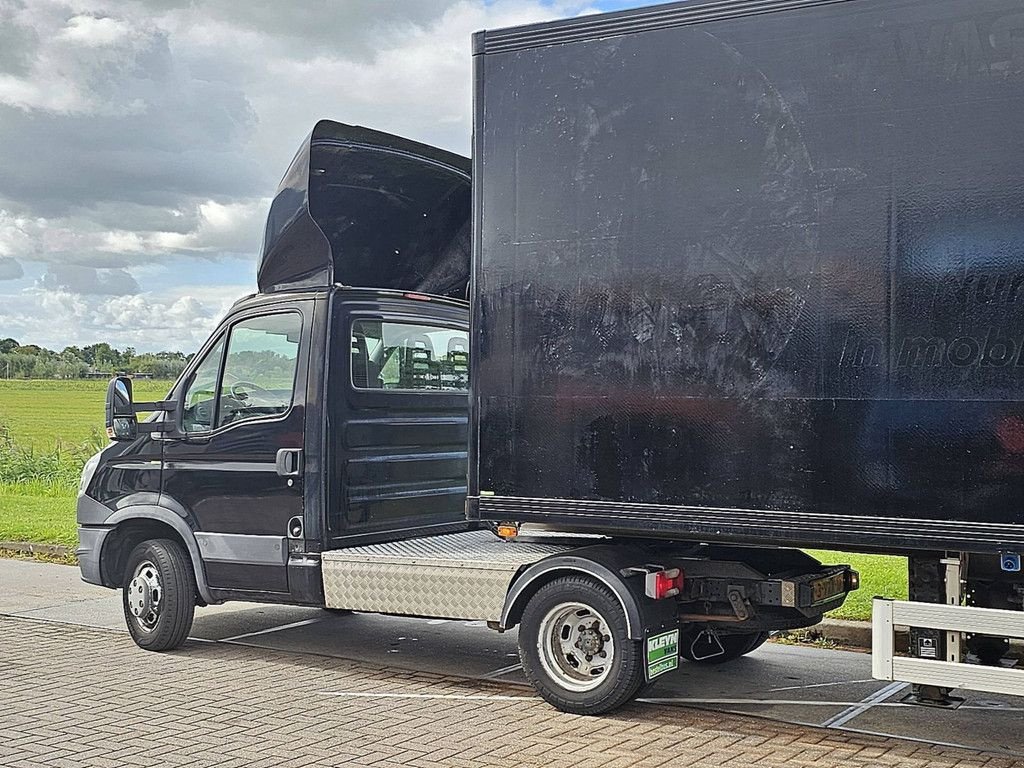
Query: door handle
x=289, y=462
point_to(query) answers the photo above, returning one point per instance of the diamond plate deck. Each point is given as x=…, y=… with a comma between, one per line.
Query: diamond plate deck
x=457, y=576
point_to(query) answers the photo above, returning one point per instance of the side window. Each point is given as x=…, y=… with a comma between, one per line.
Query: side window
x=201, y=395
x=405, y=356
x=259, y=371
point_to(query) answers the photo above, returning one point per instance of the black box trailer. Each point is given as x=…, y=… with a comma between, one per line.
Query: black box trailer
x=754, y=272
x=743, y=275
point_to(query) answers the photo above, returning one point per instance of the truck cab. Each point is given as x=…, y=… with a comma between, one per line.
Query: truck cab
x=310, y=419
x=317, y=414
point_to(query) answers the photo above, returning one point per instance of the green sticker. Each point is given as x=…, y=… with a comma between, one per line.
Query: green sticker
x=662, y=653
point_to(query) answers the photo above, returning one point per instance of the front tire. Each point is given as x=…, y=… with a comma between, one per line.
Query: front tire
x=159, y=596
x=575, y=649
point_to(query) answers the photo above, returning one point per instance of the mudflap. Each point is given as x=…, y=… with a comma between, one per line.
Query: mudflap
x=661, y=651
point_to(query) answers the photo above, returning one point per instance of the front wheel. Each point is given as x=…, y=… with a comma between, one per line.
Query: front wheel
x=575, y=648
x=159, y=595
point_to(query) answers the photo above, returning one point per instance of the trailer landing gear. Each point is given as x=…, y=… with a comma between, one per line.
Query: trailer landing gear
x=932, y=696
x=935, y=580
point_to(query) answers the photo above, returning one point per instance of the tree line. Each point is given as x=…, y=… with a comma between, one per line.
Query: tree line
x=30, y=361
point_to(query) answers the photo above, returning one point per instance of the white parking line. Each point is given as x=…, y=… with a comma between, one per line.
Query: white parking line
x=821, y=685
x=839, y=720
x=448, y=696
x=268, y=631
x=500, y=672
x=772, y=702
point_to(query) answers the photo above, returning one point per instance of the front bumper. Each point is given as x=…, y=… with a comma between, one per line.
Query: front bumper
x=90, y=547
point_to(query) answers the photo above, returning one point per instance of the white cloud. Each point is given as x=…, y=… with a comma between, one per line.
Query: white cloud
x=147, y=321
x=79, y=62
x=236, y=227
x=214, y=228
x=95, y=32
x=20, y=235
x=139, y=134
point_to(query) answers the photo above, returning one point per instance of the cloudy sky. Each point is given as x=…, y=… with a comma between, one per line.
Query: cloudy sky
x=140, y=141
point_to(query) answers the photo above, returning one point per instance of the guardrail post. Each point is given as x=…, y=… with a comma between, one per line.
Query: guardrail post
x=954, y=596
x=882, y=639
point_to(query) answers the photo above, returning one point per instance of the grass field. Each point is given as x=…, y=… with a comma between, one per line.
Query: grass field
x=38, y=515
x=61, y=417
x=53, y=425
x=44, y=414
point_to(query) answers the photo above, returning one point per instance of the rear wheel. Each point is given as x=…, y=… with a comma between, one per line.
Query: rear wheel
x=702, y=648
x=575, y=649
x=159, y=596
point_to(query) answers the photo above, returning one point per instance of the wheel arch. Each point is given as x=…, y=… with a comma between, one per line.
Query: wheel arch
x=535, y=576
x=135, y=524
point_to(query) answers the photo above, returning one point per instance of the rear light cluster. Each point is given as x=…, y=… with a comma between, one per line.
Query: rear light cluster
x=662, y=584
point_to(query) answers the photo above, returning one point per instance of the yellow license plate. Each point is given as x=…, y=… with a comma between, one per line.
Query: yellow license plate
x=828, y=587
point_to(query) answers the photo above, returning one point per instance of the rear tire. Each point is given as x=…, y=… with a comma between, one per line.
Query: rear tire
x=575, y=649
x=159, y=596
x=734, y=646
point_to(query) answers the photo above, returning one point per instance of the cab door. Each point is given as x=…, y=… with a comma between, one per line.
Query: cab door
x=235, y=464
x=400, y=408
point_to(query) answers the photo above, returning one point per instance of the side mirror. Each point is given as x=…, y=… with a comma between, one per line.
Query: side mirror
x=122, y=424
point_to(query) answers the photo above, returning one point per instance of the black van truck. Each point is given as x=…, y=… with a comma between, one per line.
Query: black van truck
x=741, y=276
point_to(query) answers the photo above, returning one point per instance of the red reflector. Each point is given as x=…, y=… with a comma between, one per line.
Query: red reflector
x=417, y=296
x=662, y=584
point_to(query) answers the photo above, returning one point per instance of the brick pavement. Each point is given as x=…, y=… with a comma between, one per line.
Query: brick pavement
x=71, y=696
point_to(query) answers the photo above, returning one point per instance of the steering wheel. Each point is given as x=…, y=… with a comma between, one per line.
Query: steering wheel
x=242, y=389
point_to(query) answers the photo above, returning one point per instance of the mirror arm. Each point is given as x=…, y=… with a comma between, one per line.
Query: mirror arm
x=155, y=405
x=155, y=426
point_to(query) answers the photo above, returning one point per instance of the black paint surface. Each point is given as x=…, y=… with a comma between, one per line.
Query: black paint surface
x=396, y=459
x=363, y=208
x=773, y=262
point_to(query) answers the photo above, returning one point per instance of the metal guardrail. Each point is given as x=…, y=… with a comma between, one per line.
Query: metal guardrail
x=886, y=615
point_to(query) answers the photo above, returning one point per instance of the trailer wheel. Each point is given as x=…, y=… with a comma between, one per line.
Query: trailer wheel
x=575, y=648
x=159, y=595
x=732, y=647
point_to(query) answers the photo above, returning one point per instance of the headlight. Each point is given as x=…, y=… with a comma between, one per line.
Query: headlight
x=87, y=472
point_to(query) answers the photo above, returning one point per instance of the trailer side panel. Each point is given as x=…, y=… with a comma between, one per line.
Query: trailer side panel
x=755, y=275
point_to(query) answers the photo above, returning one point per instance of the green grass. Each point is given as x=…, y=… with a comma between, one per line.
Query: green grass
x=36, y=514
x=880, y=575
x=52, y=426
x=42, y=414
